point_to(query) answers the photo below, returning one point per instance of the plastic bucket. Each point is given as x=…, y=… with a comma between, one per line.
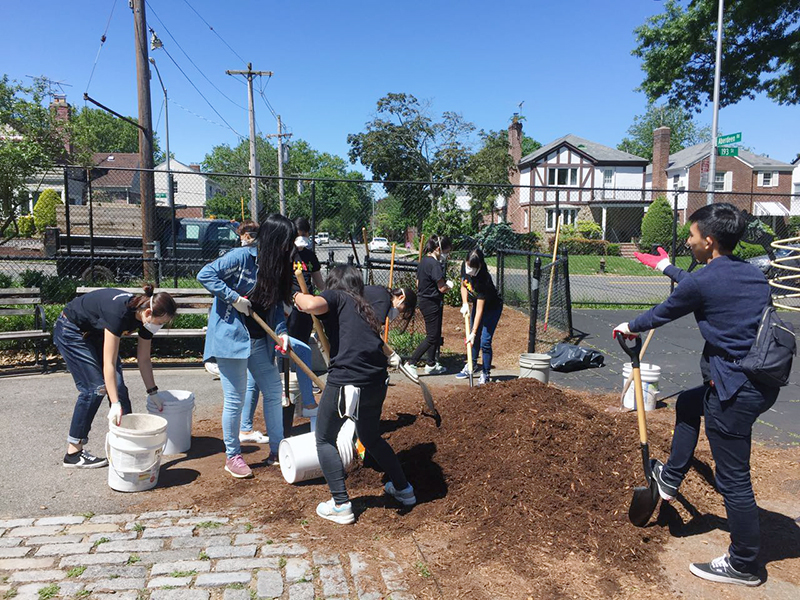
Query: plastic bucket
x=295, y=398
x=298, y=454
x=134, y=451
x=650, y=376
x=178, y=409
x=535, y=366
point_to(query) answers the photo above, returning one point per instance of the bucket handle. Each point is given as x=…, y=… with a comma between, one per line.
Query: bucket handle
x=130, y=471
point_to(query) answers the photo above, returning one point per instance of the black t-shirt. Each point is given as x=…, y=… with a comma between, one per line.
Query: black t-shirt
x=380, y=299
x=357, y=356
x=306, y=261
x=256, y=331
x=104, y=309
x=429, y=272
x=481, y=287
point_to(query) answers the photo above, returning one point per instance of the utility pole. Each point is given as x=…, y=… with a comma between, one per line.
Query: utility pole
x=254, y=170
x=280, y=135
x=712, y=167
x=146, y=186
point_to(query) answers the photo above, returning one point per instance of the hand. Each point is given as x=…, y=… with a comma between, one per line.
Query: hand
x=394, y=361
x=243, y=305
x=283, y=347
x=470, y=338
x=449, y=283
x=157, y=400
x=115, y=413
x=465, y=309
x=654, y=261
x=623, y=330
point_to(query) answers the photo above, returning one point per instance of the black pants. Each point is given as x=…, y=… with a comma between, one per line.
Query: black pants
x=299, y=326
x=729, y=428
x=432, y=313
x=368, y=429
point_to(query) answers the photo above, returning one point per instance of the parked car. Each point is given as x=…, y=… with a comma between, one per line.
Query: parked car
x=379, y=244
x=322, y=238
x=762, y=262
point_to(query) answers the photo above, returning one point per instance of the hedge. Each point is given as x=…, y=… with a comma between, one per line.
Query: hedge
x=44, y=211
x=586, y=247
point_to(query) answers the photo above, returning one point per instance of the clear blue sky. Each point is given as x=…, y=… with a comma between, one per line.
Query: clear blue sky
x=569, y=61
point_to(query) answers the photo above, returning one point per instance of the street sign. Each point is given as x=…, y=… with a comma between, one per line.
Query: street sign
x=724, y=140
x=728, y=151
x=161, y=195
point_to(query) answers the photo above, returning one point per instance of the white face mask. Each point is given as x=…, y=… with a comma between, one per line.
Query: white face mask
x=150, y=326
x=393, y=312
x=247, y=242
x=302, y=241
x=444, y=255
x=470, y=271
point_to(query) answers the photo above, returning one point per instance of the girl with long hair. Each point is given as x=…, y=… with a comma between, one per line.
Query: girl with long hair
x=255, y=278
x=87, y=334
x=356, y=385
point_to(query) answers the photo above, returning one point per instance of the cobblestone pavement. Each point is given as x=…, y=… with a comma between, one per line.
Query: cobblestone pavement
x=181, y=555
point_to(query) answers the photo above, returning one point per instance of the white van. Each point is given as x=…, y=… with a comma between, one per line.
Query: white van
x=322, y=238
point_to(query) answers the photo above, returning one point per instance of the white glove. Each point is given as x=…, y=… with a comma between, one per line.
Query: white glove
x=284, y=345
x=115, y=413
x=394, y=360
x=243, y=305
x=623, y=330
x=470, y=339
x=449, y=283
x=157, y=400
x=465, y=309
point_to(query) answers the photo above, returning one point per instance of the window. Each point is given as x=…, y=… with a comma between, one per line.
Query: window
x=562, y=176
x=525, y=219
x=768, y=179
x=189, y=232
x=676, y=181
x=568, y=217
x=608, y=178
x=226, y=233
x=723, y=181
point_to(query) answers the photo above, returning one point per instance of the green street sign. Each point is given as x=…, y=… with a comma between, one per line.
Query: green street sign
x=161, y=195
x=728, y=151
x=724, y=140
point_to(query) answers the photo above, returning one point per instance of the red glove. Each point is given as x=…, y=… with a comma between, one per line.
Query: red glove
x=623, y=330
x=651, y=260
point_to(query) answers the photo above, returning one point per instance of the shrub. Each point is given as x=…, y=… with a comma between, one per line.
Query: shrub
x=794, y=226
x=657, y=225
x=578, y=245
x=5, y=281
x=30, y=278
x=496, y=235
x=530, y=241
x=404, y=342
x=44, y=212
x=26, y=226
x=613, y=250
x=745, y=250
x=588, y=230
x=54, y=289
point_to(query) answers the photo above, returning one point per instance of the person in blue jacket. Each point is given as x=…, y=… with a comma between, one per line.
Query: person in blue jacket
x=245, y=280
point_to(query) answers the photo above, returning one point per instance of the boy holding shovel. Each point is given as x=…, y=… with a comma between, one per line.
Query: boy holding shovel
x=727, y=297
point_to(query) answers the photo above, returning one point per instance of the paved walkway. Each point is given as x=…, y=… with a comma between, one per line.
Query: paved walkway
x=181, y=555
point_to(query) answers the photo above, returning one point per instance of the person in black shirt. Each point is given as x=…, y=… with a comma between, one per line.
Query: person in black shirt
x=477, y=285
x=399, y=302
x=87, y=335
x=431, y=288
x=357, y=378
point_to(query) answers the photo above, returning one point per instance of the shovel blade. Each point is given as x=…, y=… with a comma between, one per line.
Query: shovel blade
x=426, y=394
x=643, y=504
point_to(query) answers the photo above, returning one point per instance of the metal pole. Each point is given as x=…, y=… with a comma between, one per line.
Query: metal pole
x=712, y=175
x=528, y=260
x=674, y=236
x=534, y=305
x=91, y=227
x=66, y=210
x=281, y=194
x=567, y=291
x=254, y=213
x=313, y=215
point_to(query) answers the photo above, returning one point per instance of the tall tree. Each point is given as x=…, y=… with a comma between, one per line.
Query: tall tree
x=761, y=51
x=95, y=130
x=684, y=131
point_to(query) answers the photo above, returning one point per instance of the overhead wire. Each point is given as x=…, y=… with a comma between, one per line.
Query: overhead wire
x=194, y=114
x=100, y=49
x=215, y=31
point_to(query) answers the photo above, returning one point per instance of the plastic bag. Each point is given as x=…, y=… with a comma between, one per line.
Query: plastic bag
x=566, y=358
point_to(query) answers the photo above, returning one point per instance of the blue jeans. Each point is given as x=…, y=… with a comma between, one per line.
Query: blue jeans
x=84, y=359
x=233, y=376
x=485, y=333
x=303, y=351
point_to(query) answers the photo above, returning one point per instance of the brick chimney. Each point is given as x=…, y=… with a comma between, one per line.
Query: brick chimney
x=513, y=215
x=62, y=114
x=660, y=157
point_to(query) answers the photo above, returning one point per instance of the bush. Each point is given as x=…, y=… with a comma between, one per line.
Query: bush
x=745, y=250
x=44, y=211
x=588, y=230
x=613, y=250
x=794, y=226
x=26, y=226
x=578, y=245
x=5, y=281
x=30, y=278
x=657, y=225
x=530, y=241
x=54, y=289
x=404, y=342
x=496, y=235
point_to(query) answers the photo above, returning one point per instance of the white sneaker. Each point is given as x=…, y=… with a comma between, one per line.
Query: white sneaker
x=484, y=379
x=255, y=437
x=343, y=515
x=436, y=369
x=212, y=368
x=406, y=497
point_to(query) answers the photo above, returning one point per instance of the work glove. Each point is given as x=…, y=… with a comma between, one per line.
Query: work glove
x=623, y=330
x=658, y=262
x=465, y=309
x=115, y=413
x=283, y=347
x=243, y=305
x=449, y=283
x=470, y=338
x=394, y=361
x=157, y=400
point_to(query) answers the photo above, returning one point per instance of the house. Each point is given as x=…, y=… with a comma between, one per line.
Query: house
x=192, y=189
x=120, y=183
x=795, y=204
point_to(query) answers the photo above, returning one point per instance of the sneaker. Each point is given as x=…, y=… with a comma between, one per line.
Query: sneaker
x=256, y=437
x=273, y=459
x=484, y=379
x=83, y=460
x=436, y=369
x=464, y=373
x=410, y=371
x=338, y=514
x=406, y=497
x=212, y=368
x=721, y=571
x=315, y=389
x=237, y=467
x=665, y=490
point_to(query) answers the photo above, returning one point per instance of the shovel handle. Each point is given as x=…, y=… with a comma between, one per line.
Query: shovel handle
x=323, y=339
x=633, y=351
x=469, y=346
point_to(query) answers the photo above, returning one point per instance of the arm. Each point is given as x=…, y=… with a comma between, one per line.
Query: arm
x=316, y=278
x=464, y=294
x=675, y=273
x=210, y=277
x=145, y=364
x=685, y=299
x=479, y=304
x=443, y=287
x=110, y=354
x=313, y=305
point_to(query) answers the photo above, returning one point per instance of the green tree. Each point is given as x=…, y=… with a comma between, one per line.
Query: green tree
x=684, y=131
x=657, y=225
x=760, y=51
x=529, y=145
x=489, y=166
x=390, y=220
x=225, y=207
x=446, y=218
x=95, y=130
x=44, y=211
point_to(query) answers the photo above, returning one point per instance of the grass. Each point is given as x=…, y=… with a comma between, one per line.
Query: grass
x=590, y=265
x=281, y=562
x=248, y=527
x=614, y=305
x=87, y=515
x=76, y=571
x=10, y=594
x=303, y=522
x=235, y=586
x=208, y=525
x=183, y=573
x=138, y=527
x=203, y=555
x=102, y=540
x=48, y=592
x=83, y=594
x=133, y=559
x=422, y=569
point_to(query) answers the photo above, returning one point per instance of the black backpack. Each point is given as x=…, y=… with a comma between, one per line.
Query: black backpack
x=770, y=358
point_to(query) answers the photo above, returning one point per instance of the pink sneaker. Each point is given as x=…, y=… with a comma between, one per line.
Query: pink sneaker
x=237, y=467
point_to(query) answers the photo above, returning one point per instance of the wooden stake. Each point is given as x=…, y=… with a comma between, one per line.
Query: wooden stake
x=552, y=270
x=421, y=246
x=391, y=283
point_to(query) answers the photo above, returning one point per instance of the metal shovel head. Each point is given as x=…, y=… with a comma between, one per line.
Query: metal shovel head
x=643, y=503
x=426, y=394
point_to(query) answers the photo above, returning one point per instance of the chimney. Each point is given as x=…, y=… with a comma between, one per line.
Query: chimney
x=194, y=167
x=512, y=212
x=62, y=114
x=660, y=158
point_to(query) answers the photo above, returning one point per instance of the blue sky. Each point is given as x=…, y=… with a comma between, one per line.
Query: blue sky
x=569, y=61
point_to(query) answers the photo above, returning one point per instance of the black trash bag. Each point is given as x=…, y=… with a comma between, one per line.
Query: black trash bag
x=566, y=358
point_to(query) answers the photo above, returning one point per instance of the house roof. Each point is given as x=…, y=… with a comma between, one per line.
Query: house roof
x=693, y=154
x=596, y=152
x=116, y=160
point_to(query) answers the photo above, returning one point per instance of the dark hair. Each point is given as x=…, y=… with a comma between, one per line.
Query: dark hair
x=475, y=259
x=275, y=244
x=302, y=224
x=410, y=302
x=249, y=227
x=162, y=303
x=724, y=222
x=347, y=279
x=435, y=242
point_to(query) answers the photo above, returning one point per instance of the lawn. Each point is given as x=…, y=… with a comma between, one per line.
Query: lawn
x=590, y=264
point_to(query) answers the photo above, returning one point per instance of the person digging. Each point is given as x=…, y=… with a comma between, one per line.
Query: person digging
x=727, y=297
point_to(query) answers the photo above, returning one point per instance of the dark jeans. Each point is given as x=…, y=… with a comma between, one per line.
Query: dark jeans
x=484, y=335
x=432, y=313
x=299, y=326
x=84, y=359
x=368, y=429
x=728, y=429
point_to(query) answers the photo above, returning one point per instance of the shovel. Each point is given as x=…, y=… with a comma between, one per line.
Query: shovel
x=426, y=392
x=469, y=350
x=645, y=498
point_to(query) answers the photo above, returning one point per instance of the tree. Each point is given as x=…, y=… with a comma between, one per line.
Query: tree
x=760, y=52
x=489, y=166
x=224, y=207
x=44, y=211
x=684, y=131
x=529, y=145
x=390, y=220
x=446, y=218
x=657, y=225
x=94, y=130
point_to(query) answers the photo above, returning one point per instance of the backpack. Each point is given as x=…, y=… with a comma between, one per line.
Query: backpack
x=770, y=358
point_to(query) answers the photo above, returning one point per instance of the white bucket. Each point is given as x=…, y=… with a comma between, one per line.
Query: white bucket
x=134, y=451
x=295, y=398
x=178, y=409
x=650, y=376
x=298, y=454
x=535, y=366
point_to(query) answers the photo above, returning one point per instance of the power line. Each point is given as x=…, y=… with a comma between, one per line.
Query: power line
x=264, y=98
x=194, y=114
x=100, y=49
x=215, y=31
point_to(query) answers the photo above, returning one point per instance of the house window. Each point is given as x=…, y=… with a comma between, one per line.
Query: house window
x=768, y=179
x=608, y=178
x=525, y=219
x=568, y=217
x=723, y=181
x=562, y=176
x=676, y=181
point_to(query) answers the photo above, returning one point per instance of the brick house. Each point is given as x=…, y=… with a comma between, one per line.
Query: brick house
x=117, y=186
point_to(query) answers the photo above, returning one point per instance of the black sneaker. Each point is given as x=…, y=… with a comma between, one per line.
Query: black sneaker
x=83, y=460
x=721, y=571
x=665, y=490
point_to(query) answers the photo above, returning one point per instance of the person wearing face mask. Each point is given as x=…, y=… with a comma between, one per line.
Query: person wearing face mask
x=431, y=288
x=248, y=232
x=87, y=334
x=399, y=302
x=487, y=306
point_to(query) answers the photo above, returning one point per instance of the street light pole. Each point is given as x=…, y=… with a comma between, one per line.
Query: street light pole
x=712, y=165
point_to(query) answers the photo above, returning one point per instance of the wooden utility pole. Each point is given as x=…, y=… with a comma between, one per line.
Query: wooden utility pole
x=254, y=169
x=280, y=135
x=146, y=185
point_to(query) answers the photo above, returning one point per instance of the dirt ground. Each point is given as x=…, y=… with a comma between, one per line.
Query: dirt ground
x=523, y=493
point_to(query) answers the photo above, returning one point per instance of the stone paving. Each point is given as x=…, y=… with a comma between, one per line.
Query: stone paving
x=182, y=555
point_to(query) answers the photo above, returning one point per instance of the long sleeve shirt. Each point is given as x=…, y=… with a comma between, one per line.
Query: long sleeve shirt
x=727, y=297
